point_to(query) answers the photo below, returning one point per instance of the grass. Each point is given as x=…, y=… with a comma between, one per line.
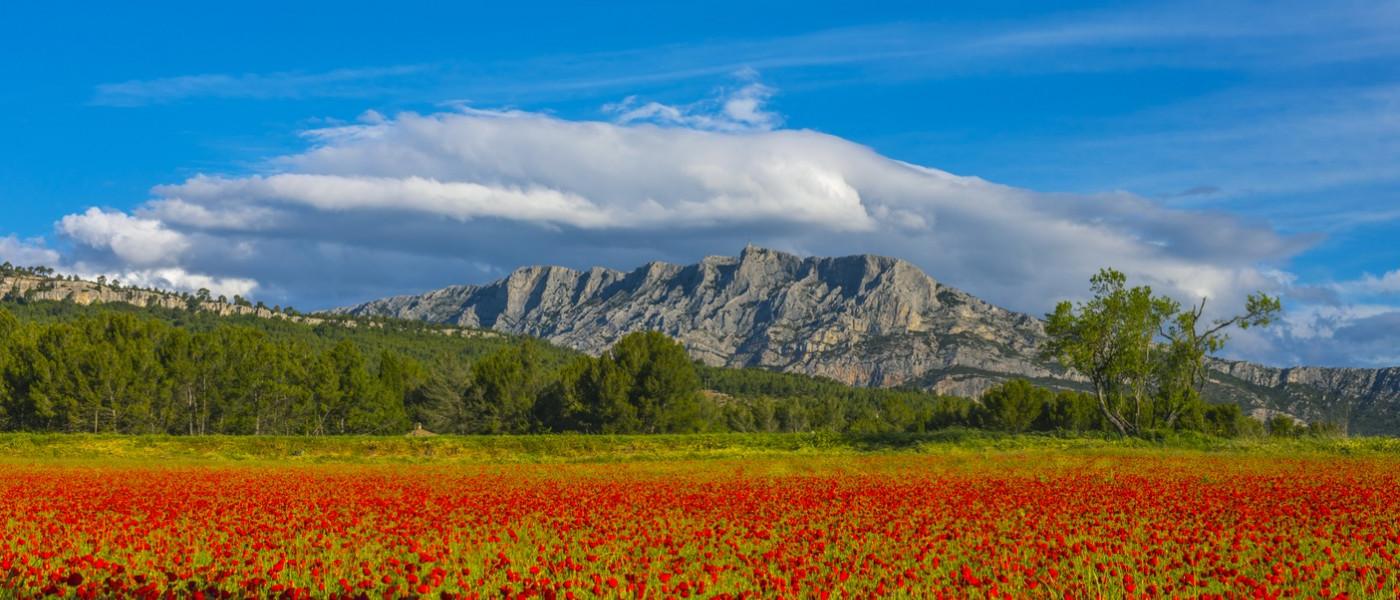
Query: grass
x=22, y=447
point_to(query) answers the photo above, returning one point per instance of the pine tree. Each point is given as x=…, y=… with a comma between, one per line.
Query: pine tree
x=9, y=329
x=1014, y=406
x=505, y=386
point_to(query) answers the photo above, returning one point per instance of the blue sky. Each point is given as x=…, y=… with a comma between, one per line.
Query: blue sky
x=322, y=154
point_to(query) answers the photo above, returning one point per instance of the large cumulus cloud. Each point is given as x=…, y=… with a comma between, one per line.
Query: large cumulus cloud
x=493, y=190
x=416, y=201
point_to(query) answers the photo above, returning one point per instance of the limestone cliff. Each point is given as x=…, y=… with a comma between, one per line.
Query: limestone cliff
x=33, y=288
x=863, y=320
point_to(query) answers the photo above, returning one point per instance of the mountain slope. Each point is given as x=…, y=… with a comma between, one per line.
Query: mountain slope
x=863, y=320
x=1367, y=401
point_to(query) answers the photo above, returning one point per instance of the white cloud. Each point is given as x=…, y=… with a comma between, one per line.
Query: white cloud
x=134, y=241
x=404, y=203
x=1343, y=323
x=177, y=212
x=336, y=193
x=741, y=109
x=27, y=253
x=175, y=278
x=1338, y=335
x=1369, y=284
x=338, y=82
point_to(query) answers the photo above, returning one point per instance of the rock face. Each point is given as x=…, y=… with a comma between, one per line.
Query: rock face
x=862, y=320
x=30, y=287
x=1367, y=401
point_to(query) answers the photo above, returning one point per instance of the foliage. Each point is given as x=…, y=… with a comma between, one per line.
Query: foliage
x=645, y=384
x=116, y=450
x=755, y=400
x=115, y=372
x=1143, y=354
x=1014, y=406
x=66, y=368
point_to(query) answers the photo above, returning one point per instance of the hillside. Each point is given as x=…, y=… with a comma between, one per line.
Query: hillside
x=27, y=286
x=861, y=320
x=35, y=295
x=24, y=286
x=82, y=356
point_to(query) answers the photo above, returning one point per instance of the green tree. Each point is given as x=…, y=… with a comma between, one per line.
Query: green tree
x=356, y=391
x=9, y=329
x=606, y=396
x=505, y=386
x=562, y=407
x=176, y=353
x=1281, y=425
x=1144, y=356
x=1014, y=406
x=399, y=378
x=1225, y=420
x=365, y=405
x=9, y=325
x=1073, y=411
x=1182, y=371
x=326, y=397
x=665, y=386
x=380, y=408
x=1110, y=340
x=440, y=403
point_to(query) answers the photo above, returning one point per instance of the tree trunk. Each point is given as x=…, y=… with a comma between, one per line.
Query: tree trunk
x=1109, y=414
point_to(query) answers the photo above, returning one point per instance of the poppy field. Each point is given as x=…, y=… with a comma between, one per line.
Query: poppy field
x=973, y=525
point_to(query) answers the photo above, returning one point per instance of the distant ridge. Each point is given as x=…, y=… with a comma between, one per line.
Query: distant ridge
x=21, y=286
x=32, y=287
x=863, y=320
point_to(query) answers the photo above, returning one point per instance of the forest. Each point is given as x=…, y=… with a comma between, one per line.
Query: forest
x=121, y=369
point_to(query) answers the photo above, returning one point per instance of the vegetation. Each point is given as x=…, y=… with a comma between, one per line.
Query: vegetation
x=1017, y=524
x=28, y=448
x=122, y=369
x=1143, y=354
x=119, y=369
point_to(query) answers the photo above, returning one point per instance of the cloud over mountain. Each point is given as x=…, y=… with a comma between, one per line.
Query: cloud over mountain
x=414, y=201
x=497, y=186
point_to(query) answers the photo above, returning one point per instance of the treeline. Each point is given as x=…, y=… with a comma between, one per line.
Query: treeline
x=646, y=383
x=119, y=373
x=767, y=401
x=428, y=343
x=120, y=370
x=1018, y=406
x=193, y=300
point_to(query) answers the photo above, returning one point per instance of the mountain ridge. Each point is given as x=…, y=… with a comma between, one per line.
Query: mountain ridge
x=863, y=320
x=761, y=309
x=17, y=285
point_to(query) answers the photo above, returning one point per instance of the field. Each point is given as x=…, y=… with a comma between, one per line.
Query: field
x=750, y=517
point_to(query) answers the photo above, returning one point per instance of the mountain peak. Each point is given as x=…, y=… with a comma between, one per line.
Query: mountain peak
x=863, y=319
x=752, y=254
x=766, y=308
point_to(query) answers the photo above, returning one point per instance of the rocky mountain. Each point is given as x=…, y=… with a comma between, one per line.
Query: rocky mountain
x=862, y=320
x=1366, y=400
